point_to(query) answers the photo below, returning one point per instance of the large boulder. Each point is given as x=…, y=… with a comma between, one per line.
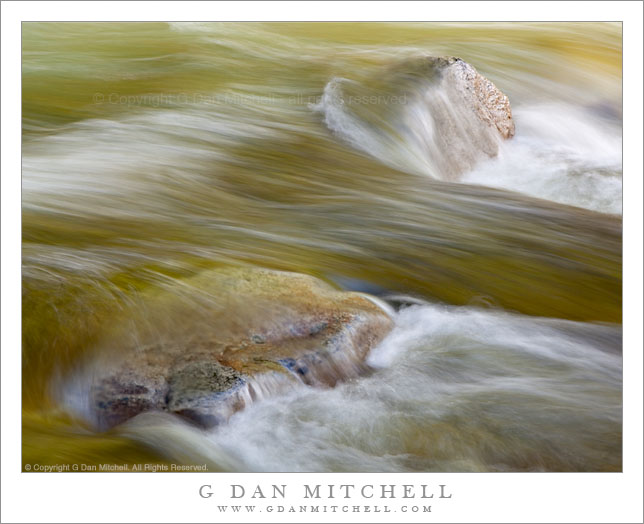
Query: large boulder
x=254, y=332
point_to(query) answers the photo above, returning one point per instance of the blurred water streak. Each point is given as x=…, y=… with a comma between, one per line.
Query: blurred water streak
x=154, y=151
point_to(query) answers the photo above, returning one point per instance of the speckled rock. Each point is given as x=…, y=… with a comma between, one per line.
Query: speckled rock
x=471, y=115
x=457, y=114
x=241, y=335
x=487, y=101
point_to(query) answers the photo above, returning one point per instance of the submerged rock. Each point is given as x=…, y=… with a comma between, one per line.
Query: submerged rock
x=251, y=333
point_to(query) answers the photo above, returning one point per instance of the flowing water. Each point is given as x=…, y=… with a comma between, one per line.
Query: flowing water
x=153, y=152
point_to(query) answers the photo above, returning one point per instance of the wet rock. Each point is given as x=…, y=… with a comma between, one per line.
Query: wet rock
x=470, y=115
x=434, y=115
x=198, y=390
x=490, y=105
x=230, y=336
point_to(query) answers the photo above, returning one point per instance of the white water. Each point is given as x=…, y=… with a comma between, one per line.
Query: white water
x=454, y=389
x=561, y=153
x=410, y=154
x=253, y=168
x=136, y=165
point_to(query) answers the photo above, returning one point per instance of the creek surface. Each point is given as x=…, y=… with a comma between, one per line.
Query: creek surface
x=153, y=152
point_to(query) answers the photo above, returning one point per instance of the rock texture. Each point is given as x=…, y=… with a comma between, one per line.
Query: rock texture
x=453, y=113
x=490, y=105
x=253, y=333
x=470, y=115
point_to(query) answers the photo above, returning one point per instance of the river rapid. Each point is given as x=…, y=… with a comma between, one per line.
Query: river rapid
x=153, y=152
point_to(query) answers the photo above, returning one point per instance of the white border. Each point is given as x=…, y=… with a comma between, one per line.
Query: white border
x=572, y=497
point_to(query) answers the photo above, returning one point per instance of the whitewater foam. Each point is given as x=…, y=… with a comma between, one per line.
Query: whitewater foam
x=454, y=389
x=562, y=153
